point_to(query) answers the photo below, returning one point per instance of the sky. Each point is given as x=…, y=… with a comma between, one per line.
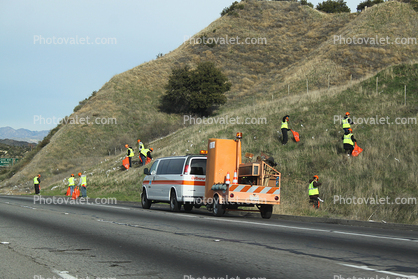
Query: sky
x=54, y=54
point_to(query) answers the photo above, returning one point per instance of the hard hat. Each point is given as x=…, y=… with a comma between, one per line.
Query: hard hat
x=72, y=174
x=347, y=113
x=79, y=174
x=350, y=130
x=316, y=177
x=39, y=175
x=152, y=149
x=126, y=145
x=139, y=140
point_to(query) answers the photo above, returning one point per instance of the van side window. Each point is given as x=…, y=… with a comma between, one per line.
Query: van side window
x=171, y=166
x=162, y=168
x=175, y=166
x=198, y=166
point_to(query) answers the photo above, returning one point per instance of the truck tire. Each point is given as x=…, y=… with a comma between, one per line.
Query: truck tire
x=146, y=204
x=266, y=211
x=188, y=207
x=174, y=204
x=218, y=209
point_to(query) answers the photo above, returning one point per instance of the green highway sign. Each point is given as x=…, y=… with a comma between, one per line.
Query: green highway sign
x=6, y=162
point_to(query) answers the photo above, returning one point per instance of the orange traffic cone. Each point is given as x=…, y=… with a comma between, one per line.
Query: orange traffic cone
x=235, y=179
x=68, y=191
x=228, y=180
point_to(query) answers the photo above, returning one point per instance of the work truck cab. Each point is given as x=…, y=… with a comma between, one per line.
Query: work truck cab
x=177, y=180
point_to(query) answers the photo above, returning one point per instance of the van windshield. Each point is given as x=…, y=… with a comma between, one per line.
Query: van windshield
x=198, y=166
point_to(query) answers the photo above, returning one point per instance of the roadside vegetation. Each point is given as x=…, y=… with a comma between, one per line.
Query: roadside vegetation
x=268, y=81
x=385, y=169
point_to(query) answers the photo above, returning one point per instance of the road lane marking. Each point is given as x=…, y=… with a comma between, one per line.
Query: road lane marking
x=63, y=274
x=110, y=206
x=306, y=229
x=380, y=271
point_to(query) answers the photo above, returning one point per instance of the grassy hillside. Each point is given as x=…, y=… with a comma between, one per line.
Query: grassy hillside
x=385, y=169
x=300, y=46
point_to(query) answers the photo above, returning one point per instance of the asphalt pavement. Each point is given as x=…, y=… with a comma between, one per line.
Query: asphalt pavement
x=101, y=240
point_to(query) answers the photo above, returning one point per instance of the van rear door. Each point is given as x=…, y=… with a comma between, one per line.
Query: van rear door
x=193, y=189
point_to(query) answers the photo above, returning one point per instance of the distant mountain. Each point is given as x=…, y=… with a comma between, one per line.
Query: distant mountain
x=22, y=134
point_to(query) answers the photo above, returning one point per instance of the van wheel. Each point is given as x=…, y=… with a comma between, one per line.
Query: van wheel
x=188, y=207
x=146, y=204
x=174, y=204
x=266, y=211
x=218, y=209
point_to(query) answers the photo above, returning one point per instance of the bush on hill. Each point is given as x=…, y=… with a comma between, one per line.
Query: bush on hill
x=231, y=10
x=368, y=3
x=195, y=91
x=330, y=6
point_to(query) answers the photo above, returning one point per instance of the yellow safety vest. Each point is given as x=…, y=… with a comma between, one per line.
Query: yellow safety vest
x=84, y=180
x=35, y=180
x=71, y=181
x=140, y=145
x=347, y=139
x=346, y=123
x=313, y=190
x=144, y=151
x=130, y=152
x=285, y=125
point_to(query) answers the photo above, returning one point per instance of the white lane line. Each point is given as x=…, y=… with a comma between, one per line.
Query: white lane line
x=63, y=274
x=109, y=206
x=380, y=271
x=306, y=229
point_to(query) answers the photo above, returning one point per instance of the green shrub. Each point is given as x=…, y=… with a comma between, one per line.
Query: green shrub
x=195, y=91
x=368, y=3
x=330, y=6
x=306, y=3
x=231, y=10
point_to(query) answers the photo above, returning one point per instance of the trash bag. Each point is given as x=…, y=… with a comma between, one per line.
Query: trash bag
x=295, y=135
x=357, y=150
x=125, y=163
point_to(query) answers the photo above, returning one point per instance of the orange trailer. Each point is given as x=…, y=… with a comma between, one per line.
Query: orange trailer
x=257, y=184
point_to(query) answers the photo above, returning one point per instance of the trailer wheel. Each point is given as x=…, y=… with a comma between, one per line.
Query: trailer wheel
x=266, y=211
x=188, y=207
x=146, y=204
x=174, y=204
x=218, y=209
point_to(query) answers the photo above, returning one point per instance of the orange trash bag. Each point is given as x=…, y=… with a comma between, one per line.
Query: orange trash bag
x=357, y=150
x=295, y=135
x=125, y=163
x=148, y=160
x=68, y=191
x=76, y=193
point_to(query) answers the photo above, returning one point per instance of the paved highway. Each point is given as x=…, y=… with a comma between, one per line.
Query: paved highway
x=62, y=240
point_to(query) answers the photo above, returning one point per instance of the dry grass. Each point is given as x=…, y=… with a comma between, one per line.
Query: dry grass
x=299, y=47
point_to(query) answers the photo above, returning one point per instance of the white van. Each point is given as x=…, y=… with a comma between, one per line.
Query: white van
x=178, y=180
